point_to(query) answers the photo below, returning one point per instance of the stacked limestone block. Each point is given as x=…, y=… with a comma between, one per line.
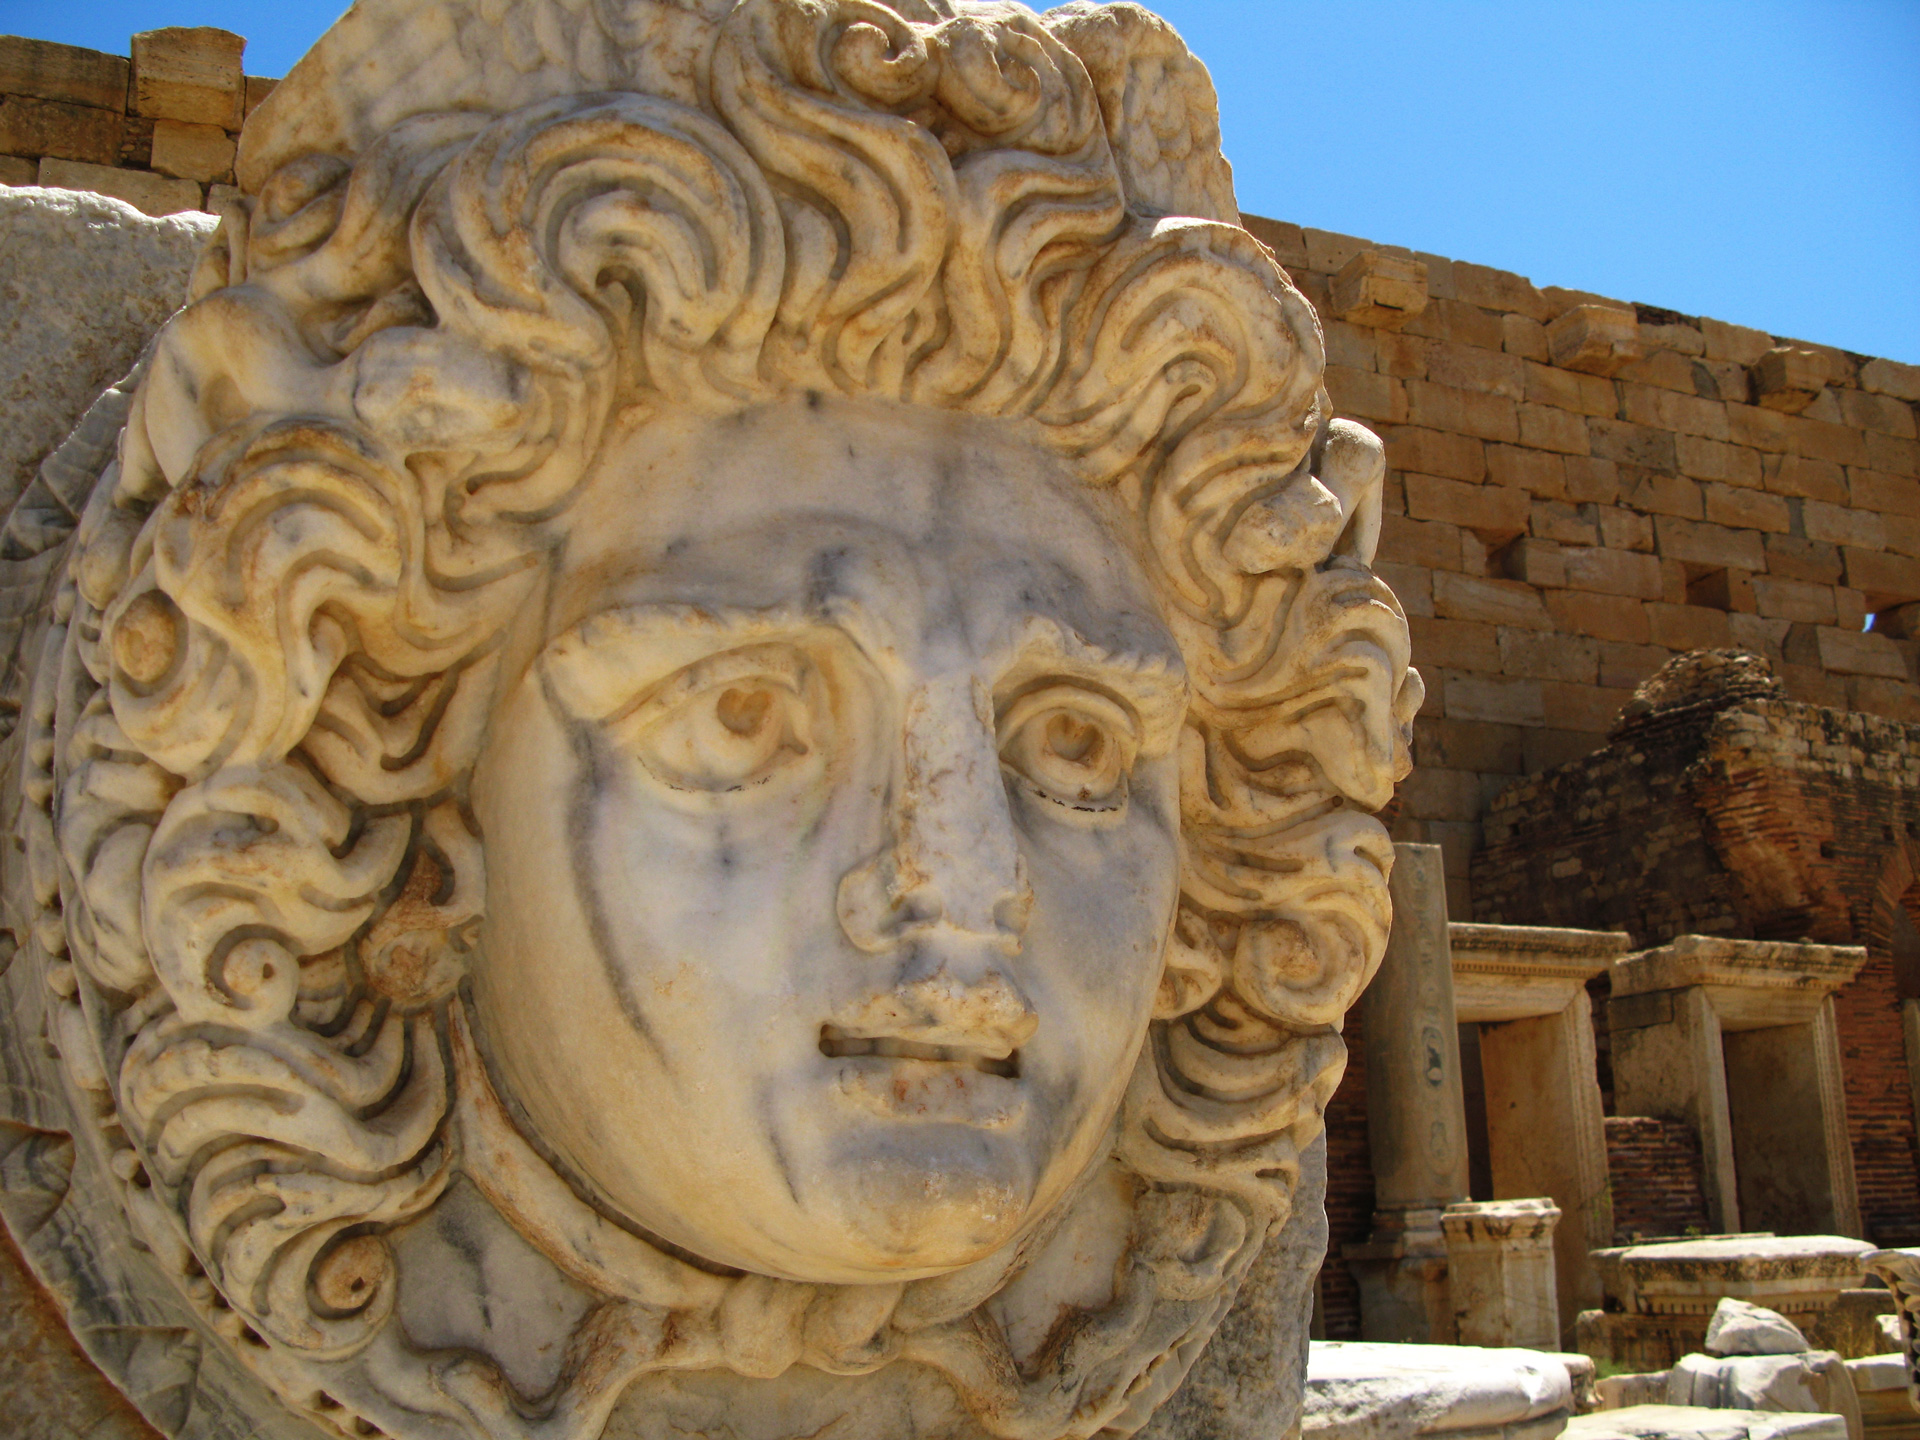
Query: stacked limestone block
x=1581, y=488
x=157, y=130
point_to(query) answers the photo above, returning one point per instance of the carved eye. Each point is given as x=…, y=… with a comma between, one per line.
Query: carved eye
x=1071, y=744
x=729, y=722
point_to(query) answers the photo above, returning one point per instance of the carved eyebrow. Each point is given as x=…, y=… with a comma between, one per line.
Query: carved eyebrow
x=606, y=661
x=1153, y=684
x=601, y=665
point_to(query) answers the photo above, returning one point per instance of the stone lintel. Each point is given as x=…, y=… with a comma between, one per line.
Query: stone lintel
x=1792, y=1274
x=1517, y=972
x=1753, y=983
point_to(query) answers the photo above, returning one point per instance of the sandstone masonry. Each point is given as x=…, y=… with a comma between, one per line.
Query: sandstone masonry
x=1580, y=488
x=156, y=129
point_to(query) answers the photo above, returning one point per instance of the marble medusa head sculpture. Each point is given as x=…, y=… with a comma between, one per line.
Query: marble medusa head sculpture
x=703, y=759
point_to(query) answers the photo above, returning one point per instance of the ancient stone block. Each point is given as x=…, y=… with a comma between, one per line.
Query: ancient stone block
x=1705, y=544
x=1842, y=525
x=88, y=283
x=1436, y=452
x=1612, y=572
x=1564, y=523
x=1597, y=339
x=1539, y=655
x=1374, y=288
x=1493, y=289
x=1711, y=460
x=1493, y=512
x=1540, y=473
x=14, y=170
x=1890, y=377
x=259, y=88
x=1789, y=380
x=1738, y=343
x=149, y=194
x=1592, y=479
x=1884, y=579
x=192, y=152
x=1535, y=561
x=1547, y=429
x=1328, y=251
x=1570, y=390
x=1524, y=337
x=1859, y=652
x=34, y=128
x=1742, y=508
x=1780, y=598
x=1366, y=394
x=1455, y=644
x=189, y=73
x=1622, y=529
x=46, y=70
x=1687, y=627
x=1606, y=617
x=1671, y=411
x=1468, y=367
x=1497, y=602
x=1463, y=412
x=1864, y=410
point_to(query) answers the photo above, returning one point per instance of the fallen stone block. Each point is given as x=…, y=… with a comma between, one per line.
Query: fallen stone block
x=87, y=282
x=1738, y=1328
x=1367, y=1391
x=1687, y=1422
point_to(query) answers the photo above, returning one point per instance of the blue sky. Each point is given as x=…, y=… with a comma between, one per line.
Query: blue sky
x=1754, y=160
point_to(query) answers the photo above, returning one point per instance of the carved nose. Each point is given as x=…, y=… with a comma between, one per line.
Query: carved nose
x=954, y=868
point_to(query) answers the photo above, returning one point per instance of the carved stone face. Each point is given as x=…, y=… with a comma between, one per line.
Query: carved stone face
x=832, y=838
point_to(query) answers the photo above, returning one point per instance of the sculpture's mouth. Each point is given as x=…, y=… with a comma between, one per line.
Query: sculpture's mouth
x=837, y=1044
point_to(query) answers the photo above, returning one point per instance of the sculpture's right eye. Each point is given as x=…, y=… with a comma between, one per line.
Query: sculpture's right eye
x=729, y=722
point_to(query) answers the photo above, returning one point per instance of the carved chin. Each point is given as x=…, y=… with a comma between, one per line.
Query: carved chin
x=928, y=1203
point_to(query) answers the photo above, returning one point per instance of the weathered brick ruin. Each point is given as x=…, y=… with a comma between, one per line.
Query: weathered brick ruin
x=155, y=129
x=1724, y=808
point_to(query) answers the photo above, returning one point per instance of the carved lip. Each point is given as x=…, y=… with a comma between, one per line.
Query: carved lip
x=838, y=1044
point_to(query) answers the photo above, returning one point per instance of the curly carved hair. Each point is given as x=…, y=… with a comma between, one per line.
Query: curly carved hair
x=343, y=469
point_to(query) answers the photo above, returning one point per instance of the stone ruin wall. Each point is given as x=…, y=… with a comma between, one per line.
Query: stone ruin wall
x=155, y=128
x=1557, y=534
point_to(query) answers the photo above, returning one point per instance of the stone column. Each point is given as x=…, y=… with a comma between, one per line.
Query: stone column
x=1416, y=1116
x=1500, y=1273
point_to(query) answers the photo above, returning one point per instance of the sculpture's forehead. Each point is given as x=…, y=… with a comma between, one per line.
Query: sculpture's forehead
x=917, y=516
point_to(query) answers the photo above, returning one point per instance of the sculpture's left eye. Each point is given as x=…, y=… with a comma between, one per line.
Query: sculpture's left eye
x=1072, y=744
x=729, y=722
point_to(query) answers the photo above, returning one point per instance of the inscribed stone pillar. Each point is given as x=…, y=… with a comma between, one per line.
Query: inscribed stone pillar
x=1416, y=1113
x=1500, y=1272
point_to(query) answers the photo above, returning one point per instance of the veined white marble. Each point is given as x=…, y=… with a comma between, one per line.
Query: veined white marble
x=704, y=764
